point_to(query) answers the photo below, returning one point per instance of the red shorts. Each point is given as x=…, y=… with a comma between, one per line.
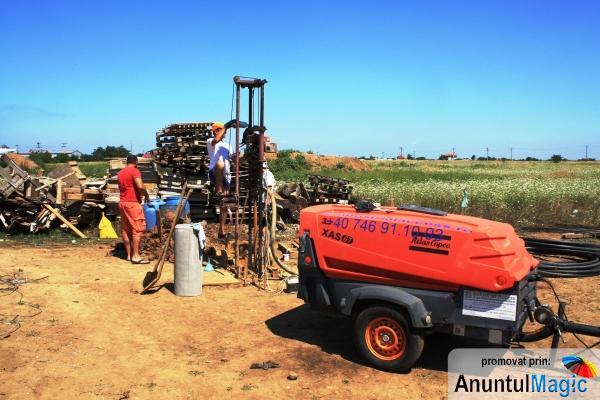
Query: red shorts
x=132, y=218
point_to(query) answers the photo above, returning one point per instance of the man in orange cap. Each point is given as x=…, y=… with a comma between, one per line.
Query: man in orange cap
x=218, y=169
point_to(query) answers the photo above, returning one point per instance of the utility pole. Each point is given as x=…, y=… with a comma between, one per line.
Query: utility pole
x=401, y=149
x=511, y=154
x=453, y=154
x=487, y=153
x=17, y=146
x=586, y=153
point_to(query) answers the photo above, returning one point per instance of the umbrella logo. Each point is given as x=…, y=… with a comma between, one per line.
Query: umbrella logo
x=580, y=366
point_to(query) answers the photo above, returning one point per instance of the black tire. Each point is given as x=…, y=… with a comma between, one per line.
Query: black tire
x=395, y=347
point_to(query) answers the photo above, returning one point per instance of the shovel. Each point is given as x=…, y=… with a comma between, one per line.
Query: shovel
x=153, y=276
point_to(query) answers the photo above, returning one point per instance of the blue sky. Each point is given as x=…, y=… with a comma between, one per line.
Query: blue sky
x=345, y=77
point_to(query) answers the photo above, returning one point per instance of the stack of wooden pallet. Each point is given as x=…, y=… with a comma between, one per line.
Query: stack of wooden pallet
x=182, y=147
x=182, y=155
x=324, y=190
x=170, y=183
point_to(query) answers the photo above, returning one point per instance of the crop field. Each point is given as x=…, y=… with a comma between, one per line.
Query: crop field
x=523, y=193
x=518, y=192
x=94, y=169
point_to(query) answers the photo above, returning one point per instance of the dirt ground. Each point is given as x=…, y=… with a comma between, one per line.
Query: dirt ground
x=320, y=162
x=98, y=338
x=23, y=161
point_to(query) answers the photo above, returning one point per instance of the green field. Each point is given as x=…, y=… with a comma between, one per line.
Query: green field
x=521, y=193
x=91, y=169
x=94, y=169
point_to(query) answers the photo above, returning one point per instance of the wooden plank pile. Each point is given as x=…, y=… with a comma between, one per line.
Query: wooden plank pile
x=293, y=197
x=327, y=190
x=182, y=147
x=33, y=203
x=182, y=155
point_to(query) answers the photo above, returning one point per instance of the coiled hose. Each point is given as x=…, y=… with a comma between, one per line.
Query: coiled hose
x=272, y=226
x=580, y=259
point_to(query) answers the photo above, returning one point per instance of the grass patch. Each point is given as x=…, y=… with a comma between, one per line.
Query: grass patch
x=289, y=166
x=91, y=169
x=94, y=169
x=517, y=192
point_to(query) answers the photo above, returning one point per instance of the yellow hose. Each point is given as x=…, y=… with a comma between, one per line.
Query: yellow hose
x=272, y=227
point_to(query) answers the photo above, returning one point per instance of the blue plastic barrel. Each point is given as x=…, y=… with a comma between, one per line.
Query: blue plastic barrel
x=150, y=214
x=156, y=203
x=170, y=206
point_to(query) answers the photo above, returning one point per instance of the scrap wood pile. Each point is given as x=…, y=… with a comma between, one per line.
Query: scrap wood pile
x=321, y=190
x=36, y=203
x=182, y=147
x=182, y=154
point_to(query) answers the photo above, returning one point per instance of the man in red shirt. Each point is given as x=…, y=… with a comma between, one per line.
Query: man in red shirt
x=133, y=222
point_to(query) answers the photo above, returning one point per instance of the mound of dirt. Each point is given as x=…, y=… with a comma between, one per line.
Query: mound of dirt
x=24, y=162
x=319, y=162
x=333, y=162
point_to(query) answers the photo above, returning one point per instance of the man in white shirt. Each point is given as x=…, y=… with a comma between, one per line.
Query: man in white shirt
x=219, y=153
x=268, y=181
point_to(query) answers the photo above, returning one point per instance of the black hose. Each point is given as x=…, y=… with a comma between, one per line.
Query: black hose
x=580, y=259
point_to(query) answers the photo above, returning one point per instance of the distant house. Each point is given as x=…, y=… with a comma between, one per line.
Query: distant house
x=5, y=149
x=450, y=156
x=76, y=154
x=70, y=153
x=63, y=150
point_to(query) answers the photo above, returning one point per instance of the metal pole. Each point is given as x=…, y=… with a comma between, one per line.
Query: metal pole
x=586, y=153
x=262, y=105
x=261, y=159
x=250, y=107
x=237, y=175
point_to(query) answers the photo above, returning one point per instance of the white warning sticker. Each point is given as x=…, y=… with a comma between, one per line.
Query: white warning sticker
x=490, y=305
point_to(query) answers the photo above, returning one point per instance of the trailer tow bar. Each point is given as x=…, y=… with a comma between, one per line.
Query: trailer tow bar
x=555, y=324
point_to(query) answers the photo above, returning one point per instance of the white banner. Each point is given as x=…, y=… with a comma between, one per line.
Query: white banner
x=523, y=374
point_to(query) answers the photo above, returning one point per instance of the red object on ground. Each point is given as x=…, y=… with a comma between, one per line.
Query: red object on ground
x=127, y=189
x=415, y=249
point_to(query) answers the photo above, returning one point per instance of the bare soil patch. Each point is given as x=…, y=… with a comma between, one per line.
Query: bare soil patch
x=98, y=338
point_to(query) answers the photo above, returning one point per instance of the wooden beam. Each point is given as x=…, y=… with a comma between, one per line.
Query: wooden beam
x=63, y=219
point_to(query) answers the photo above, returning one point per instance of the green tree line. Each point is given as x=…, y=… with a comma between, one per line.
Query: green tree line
x=99, y=154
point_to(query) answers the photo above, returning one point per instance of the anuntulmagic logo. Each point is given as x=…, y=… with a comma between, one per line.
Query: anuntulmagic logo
x=582, y=371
